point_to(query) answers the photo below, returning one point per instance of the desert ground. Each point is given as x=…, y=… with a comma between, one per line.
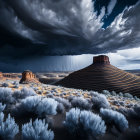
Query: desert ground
x=106, y=115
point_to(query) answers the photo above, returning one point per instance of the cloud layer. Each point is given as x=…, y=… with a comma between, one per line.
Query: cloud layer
x=65, y=27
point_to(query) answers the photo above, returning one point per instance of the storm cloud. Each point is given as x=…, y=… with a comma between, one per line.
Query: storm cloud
x=33, y=31
x=64, y=27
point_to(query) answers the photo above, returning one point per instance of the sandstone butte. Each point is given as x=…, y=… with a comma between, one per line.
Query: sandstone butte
x=101, y=75
x=1, y=75
x=28, y=77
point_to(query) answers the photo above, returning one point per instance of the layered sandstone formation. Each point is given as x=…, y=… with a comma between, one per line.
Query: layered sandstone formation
x=28, y=77
x=101, y=75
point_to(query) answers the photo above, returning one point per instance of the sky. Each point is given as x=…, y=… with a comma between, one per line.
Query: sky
x=64, y=35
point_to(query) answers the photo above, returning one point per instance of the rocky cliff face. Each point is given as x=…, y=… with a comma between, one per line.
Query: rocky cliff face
x=28, y=77
x=1, y=75
x=102, y=59
x=101, y=75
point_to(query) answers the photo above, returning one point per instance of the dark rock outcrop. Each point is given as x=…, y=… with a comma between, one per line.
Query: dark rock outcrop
x=28, y=77
x=101, y=75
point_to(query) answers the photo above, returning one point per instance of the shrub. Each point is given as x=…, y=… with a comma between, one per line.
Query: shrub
x=37, y=130
x=23, y=93
x=49, y=95
x=100, y=101
x=128, y=95
x=6, y=95
x=27, y=107
x=84, y=122
x=47, y=106
x=81, y=103
x=8, y=129
x=65, y=102
x=60, y=108
x=5, y=85
x=2, y=107
x=106, y=92
x=114, y=117
x=72, y=120
x=35, y=106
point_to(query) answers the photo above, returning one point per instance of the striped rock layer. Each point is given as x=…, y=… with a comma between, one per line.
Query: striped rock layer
x=101, y=75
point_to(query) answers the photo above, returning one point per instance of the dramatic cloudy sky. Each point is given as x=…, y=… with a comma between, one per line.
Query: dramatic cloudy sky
x=58, y=35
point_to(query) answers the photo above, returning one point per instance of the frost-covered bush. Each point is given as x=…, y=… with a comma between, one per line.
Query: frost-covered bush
x=27, y=107
x=50, y=95
x=6, y=95
x=8, y=128
x=128, y=95
x=81, y=103
x=5, y=85
x=37, y=130
x=23, y=93
x=36, y=106
x=121, y=94
x=116, y=103
x=47, y=106
x=60, y=108
x=133, y=112
x=106, y=92
x=84, y=122
x=100, y=101
x=113, y=93
x=114, y=117
x=2, y=107
x=65, y=102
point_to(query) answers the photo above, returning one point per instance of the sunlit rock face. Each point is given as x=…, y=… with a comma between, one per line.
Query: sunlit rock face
x=28, y=77
x=101, y=75
x=1, y=75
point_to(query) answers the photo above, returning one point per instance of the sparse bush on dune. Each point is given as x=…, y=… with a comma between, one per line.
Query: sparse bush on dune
x=23, y=93
x=81, y=103
x=8, y=128
x=84, y=123
x=114, y=118
x=100, y=101
x=37, y=130
x=6, y=95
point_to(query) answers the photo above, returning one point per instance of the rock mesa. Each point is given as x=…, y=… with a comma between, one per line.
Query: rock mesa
x=28, y=77
x=101, y=75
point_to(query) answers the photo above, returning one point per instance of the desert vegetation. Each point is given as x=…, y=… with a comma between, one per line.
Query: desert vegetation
x=41, y=112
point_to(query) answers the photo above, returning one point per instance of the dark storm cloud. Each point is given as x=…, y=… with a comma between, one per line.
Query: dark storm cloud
x=59, y=27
